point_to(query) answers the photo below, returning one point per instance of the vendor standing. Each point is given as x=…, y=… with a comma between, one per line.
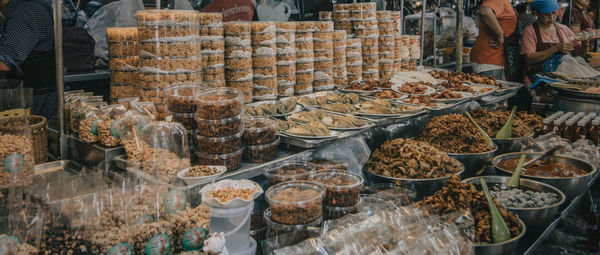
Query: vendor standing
x=545, y=37
x=497, y=24
x=580, y=20
x=27, y=50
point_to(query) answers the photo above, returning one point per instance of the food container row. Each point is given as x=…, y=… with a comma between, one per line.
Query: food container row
x=368, y=6
x=121, y=34
x=302, y=87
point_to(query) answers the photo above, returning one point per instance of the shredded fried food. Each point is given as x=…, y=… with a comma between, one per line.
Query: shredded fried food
x=457, y=195
x=454, y=133
x=493, y=121
x=407, y=158
x=455, y=77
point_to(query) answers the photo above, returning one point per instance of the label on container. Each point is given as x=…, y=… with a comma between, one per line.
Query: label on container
x=9, y=245
x=193, y=239
x=13, y=163
x=94, y=127
x=144, y=219
x=174, y=201
x=120, y=249
x=118, y=128
x=159, y=245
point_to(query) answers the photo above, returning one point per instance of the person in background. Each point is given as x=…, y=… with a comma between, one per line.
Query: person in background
x=27, y=50
x=497, y=22
x=580, y=20
x=524, y=15
x=545, y=37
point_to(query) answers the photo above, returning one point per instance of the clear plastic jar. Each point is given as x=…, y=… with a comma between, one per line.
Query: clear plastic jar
x=342, y=188
x=261, y=153
x=220, y=127
x=219, y=145
x=259, y=131
x=231, y=161
x=291, y=171
x=219, y=103
x=295, y=202
x=181, y=98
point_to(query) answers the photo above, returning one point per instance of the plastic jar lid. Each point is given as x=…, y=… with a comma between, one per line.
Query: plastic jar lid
x=300, y=185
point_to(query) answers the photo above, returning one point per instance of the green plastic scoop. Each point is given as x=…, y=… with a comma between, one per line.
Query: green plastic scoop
x=506, y=131
x=513, y=182
x=500, y=231
x=485, y=135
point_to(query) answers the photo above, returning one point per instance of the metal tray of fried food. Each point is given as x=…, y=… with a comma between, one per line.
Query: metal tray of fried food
x=316, y=143
x=507, y=87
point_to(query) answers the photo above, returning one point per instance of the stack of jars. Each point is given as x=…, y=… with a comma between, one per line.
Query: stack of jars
x=212, y=47
x=387, y=42
x=169, y=53
x=323, y=56
x=354, y=59
x=264, y=50
x=342, y=192
x=341, y=17
x=219, y=121
x=398, y=49
x=304, y=58
x=238, y=57
x=364, y=20
x=123, y=61
x=326, y=16
x=339, y=58
x=286, y=58
x=397, y=17
x=182, y=106
x=415, y=52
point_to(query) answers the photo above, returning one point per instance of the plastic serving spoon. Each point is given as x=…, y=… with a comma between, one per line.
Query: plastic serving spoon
x=513, y=182
x=500, y=231
x=485, y=135
x=506, y=131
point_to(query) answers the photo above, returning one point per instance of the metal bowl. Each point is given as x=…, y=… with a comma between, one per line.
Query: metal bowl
x=473, y=162
x=534, y=218
x=424, y=187
x=508, y=145
x=570, y=186
x=506, y=247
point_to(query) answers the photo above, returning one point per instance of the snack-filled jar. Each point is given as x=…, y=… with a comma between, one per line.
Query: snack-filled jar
x=259, y=131
x=342, y=187
x=219, y=128
x=234, y=28
x=290, y=171
x=295, y=202
x=186, y=119
x=180, y=98
x=231, y=161
x=219, y=145
x=219, y=103
x=261, y=153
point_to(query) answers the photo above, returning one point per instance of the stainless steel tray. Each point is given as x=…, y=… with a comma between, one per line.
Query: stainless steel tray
x=316, y=143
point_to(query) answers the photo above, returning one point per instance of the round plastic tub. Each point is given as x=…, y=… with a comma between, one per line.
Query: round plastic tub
x=231, y=161
x=219, y=128
x=332, y=213
x=401, y=195
x=296, y=202
x=219, y=145
x=259, y=131
x=292, y=171
x=330, y=161
x=219, y=103
x=343, y=188
x=282, y=235
x=261, y=153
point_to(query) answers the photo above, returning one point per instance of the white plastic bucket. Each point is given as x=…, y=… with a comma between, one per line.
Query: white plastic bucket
x=235, y=223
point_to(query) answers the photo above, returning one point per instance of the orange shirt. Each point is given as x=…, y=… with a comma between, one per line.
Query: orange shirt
x=482, y=52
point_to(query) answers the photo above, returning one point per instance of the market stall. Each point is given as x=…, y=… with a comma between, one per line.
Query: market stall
x=288, y=138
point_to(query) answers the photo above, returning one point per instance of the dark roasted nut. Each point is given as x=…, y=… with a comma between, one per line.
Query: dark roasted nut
x=231, y=161
x=219, y=103
x=295, y=203
x=219, y=145
x=342, y=188
x=259, y=131
x=261, y=153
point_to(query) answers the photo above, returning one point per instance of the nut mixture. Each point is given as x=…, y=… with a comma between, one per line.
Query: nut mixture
x=261, y=153
x=219, y=106
x=259, y=132
x=454, y=133
x=335, y=192
x=407, y=158
x=219, y=145
x=12, y=149
x=227, y=194
x=200, y=170
x=231, y=161
x=457, y=195
x=219, y=128
x=300, y=212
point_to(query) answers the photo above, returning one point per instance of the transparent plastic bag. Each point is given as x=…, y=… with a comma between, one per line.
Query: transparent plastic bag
x=88, y=124
x=354, y=149
x=145, y=108
x=170, y=150
x=16, y=152
x=110, y=135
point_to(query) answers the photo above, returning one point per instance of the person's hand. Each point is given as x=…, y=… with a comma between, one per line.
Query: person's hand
x=575, y=28
x=497, y=42
x=563, y=48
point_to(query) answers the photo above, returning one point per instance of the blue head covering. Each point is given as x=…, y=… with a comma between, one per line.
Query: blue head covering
x=544, y=6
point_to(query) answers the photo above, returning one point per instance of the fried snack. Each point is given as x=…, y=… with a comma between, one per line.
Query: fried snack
x=457, y=195
x=493, y=121
x=457, y=86
x=388, y=94
x=454, y=133
x=366, y=86
x=420, y=100
x=455, y=77
x=407, y=158
x=447, y=94
x=415, y=87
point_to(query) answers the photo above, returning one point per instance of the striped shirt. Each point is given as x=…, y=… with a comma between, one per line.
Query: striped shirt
x=26, y=28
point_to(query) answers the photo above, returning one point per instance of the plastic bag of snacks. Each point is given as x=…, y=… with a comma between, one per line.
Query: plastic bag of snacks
x=169, y=151
x=16, y=152
x=130, y=126
x=144, y=108
x=110, y=135
x=88, y=123
x=75, y=107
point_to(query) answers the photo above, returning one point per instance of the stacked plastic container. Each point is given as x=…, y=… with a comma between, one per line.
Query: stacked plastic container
x=404, y=49
x=342, y=194
x=212, y=45
x=398, y=52
x=238, y=57
x=182, y=105
x=387, y=42
x=286, y=58
x=123, y=61
x=169, y=53
x=354, y=60
x=339, y=58
x=260, y=139
x=323, y=56
x=341, y=17
x=219, y=120
x=415, y=51
x=304, y=58
x=326, y=16
x=264, y=60
x=364, y=20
